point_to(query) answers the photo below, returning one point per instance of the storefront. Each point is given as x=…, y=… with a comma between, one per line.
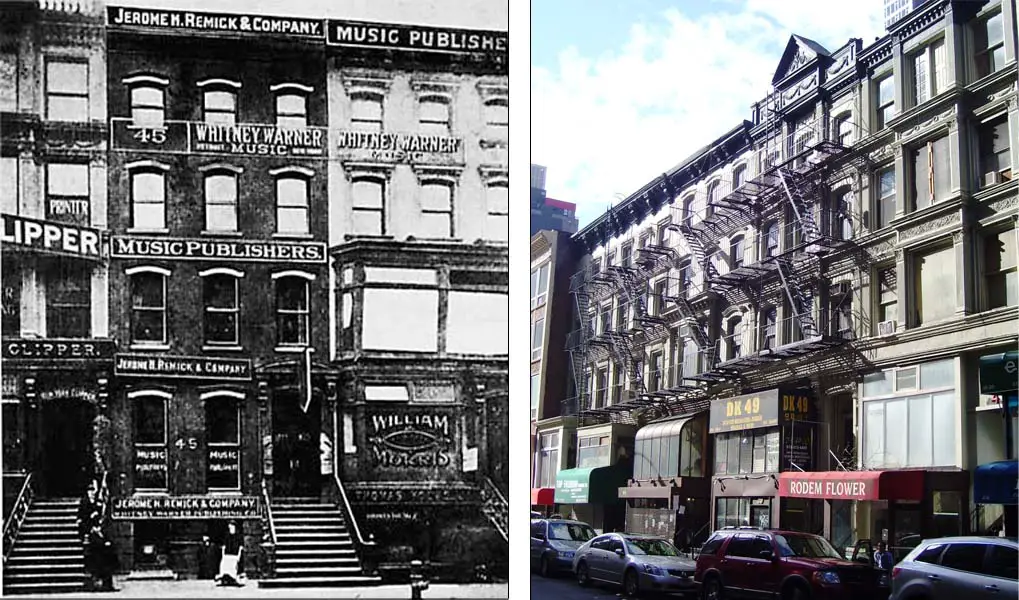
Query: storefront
x=997, y=483
x=589, y=494
x=667, y=494
x=994, y=481
x=555, y=442
x=754, y=437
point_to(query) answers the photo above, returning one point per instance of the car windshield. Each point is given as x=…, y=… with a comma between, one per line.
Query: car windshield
x=574, y=532
x=807, y=546
x=650, y=547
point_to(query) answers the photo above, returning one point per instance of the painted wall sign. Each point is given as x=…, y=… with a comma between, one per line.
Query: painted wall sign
x=190, y=367
x=218, y=250
x=150, y=467
x=69, y=392
x=749, y=411
x=58, y=349
x=357, y=34
x=249, y=139
x=412, y=493
x=51, y=237
x=411, y=439
x=399, y=147
x=186, y=507
x=177, y=20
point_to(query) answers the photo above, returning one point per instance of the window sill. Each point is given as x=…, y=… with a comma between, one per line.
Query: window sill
x=150, y=493
x=293, y=236
x=207, y=233
x=161, y=231
x=290, y=349
x=224, y=492
x=224, y=348
x=150, y=347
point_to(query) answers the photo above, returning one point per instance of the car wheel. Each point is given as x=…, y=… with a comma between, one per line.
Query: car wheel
x=713, y=589
x=582, y=577
x=631, y=584
x=796, y=592
x=544, y=568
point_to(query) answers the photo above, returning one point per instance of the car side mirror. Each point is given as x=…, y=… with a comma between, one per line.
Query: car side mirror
x=619, y=552
x=767, y=554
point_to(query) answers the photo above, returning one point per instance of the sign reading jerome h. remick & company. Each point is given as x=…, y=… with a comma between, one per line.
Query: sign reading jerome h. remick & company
x=205, y=249
x=188, y=367
x=245, y=139
x=189, y=22
x=400, y=148
x=186, y=507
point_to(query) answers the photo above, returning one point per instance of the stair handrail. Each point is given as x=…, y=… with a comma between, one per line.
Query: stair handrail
x=13, y=524
x=350, y=514
x=268, y=512
x=491, y=488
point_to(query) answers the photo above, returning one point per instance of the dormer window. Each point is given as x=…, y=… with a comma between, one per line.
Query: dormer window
x=219, y=101
x=148, y=100
x=291, y=104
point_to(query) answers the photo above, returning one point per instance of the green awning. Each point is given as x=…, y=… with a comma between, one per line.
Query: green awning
x=592, y=485
x=999, y=373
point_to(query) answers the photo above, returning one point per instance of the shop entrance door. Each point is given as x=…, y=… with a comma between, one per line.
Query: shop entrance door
x=66, y=465
x=295, y=449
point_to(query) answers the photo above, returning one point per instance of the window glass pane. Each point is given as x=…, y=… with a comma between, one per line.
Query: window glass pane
x=895, y=442
x=219, y=101
x=964, y=557
x=920, y=75
x=746, y=451
x=942, y=168
x=63, y=108
x=150, y=117
x=292, y=220
x=148, y=187
x=874, y=434
x=292, y=191
x=220, y=118
x=995, y=33
x=905, y=379
x=147, y=291
x=221, y=189
x=220, y=291
x=676, y=451
x=943, y=407
x=771, y=445
x=149, y=216
x=367, y=222
x=292, y=294
x=290, y=104
x=436, y=197
x=936, y=273
x=292, y=122
x=221, y=421
x=67, y=179
x=919, y=432
x=498, y=199
x=497, y=228
x=886, y=91
x=149, y=420
x=937, y=374
x=72, y=77
x=146, y=96
x=221, y=217
x=921, y=183
x=436, y=225
x=496, y=115
x=366, y=194
x=434, y=111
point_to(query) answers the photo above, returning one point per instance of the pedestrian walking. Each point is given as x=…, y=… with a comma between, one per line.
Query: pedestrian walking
x=882, y=557
x=230, y=563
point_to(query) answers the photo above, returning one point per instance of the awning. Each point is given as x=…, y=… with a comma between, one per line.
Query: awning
x=853, y=485
x=593, y=485
x=542, y=496
x=999, y=373
x=661, y=429
x=996, y=482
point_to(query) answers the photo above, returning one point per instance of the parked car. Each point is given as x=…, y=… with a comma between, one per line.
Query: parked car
x=757, y=563
x=968, y=567
x=640, y=563
x=554, y=542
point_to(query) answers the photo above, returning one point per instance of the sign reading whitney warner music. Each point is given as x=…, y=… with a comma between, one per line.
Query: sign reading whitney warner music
x=250, y=139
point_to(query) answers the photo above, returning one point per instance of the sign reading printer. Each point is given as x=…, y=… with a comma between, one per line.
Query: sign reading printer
x=186, y=507
x=400, y=148
x=204, y=249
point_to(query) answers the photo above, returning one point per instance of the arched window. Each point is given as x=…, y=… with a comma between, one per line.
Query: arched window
x=737, y=251
x=292, y=185
x=689, y=208
x=291, y=104
x=148, y=304
x=434, y=115
x=368, y=205
x=221, y=306
x=436, y=208
x=219, y=101
x=220, y=197
x=769, y=322
x=734, y=337
x=149, y=430
x=223, y=432
x=292, y=307
x=770, y=242
x=148, y=100
x=148, y=195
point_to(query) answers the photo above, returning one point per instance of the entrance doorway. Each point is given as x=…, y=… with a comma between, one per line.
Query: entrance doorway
x=66, y=465
x=295, y=445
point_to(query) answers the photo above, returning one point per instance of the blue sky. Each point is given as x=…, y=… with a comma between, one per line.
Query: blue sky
x=622, y=91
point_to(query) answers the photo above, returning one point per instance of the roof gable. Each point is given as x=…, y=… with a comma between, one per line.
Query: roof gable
x=798, y=52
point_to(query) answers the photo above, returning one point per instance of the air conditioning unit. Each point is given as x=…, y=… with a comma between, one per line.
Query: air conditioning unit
x=886, y=327
x=992, y=178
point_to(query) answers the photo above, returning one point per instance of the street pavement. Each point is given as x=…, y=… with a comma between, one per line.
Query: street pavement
x=194, y=588
x=565, y=587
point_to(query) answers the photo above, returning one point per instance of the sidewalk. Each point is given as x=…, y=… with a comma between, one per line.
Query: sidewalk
x=194, y=588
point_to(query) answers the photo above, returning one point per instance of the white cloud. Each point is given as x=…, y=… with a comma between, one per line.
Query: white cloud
x=607, y=125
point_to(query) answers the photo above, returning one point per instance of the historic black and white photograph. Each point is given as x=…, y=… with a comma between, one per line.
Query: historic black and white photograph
x=255, y=298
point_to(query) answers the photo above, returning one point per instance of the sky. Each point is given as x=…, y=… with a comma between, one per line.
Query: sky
x=623, y=90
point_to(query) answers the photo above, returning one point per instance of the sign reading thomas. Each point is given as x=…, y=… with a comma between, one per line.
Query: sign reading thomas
x=356, y=34
x=179, y=20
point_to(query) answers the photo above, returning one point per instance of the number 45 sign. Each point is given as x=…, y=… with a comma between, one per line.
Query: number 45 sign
x=170, y=136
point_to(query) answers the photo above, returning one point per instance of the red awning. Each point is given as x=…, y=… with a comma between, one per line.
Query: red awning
x=542, y=496
x=852, y=485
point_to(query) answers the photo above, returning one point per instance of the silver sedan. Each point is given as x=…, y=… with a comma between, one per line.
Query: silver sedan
x=639, y=563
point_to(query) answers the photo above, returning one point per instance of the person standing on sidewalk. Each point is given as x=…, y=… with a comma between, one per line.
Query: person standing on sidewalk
x=230, y=564
x=100, y=559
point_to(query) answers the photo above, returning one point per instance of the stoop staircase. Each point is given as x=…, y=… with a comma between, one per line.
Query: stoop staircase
x=313, y=546
x=47, y=556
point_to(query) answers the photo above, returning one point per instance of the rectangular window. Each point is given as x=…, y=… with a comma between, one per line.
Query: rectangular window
x=601, y=387
x=537, y=338
x=403, y=320
x=220, y=107
x=887, y=307
x=292, y=311
x=929, y=422
x=931, y=173
x=886, y=197
x=622, y=314
x=67, y=193
x=150, y=452
x=476, y=323
x=10, y=301
x=221, y=309
x=434, y=117
x=68, y=301
x=497, y=224
x=657, y=373
x=746, y=452
x=844, y=130
x=768, y=322
x=497, y=117
x=548, y=460
x=368, y=207
x=67, y=90
x=148, y=106
x=930, y=72
x=221, y=202
x=935, y=285
x=539, y=285
x=292, y=205
x=535, y=395
x=148, y=200
x=1000, y=269
x=11, y=183
x=223, y=426
x=990, y=45
x=625, y=255
x=660, y=289
x=366, y=113
x=436, y=210
x=9, y=71
x=995, y=152
x=148, y=308
x=593, y=451
x=885, y=101
x=617, y=383
x=291, y=110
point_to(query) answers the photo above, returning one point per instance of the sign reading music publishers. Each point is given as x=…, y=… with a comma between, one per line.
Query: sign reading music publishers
x=120, y=16
x=416, y=38
x=205, y=249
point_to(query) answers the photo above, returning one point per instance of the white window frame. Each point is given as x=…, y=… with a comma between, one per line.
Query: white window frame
x=293, y=173
x=235, y=276
x=308, y=278
x=147, y=82
x=220, y=170
x=294, y=90
x=147, y=167
x=78, y=95
x=166, y=397
x=539, y=296
x=219, y=86
x=236, y=399
x=165, y=274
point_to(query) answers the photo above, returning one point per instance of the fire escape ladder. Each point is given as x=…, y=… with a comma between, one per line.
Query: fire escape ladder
x=801, y=207
x=801, y=307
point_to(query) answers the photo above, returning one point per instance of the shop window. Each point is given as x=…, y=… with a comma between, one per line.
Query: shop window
x=67, y=90
x=537, y=338
x=770, y=245
x=221, y=201
x=148, y=100
x=67, y=193
x=221, y=306
x=401, y=319
x=927, y=417
x=148, y=198
x=150, y=440
x=995, y=152
x=436, y=209
x=931, y=173
x=292, y=309
x=148, y=305
x=601, y=385
x=548, y=460
x=990, y=44
x=434, y=115
x=497, y=117
x=10, y=301
x=769, y=320
x=223, y=427
x=1000, y=269
x=68, y=301
x=930, y=72
x=497, y=201
x=366, y=112
x=368, y=206
x=691, y=450
x=539, y=285
x=885, y=205
x=740, y=512
x=885, y=101
x=934, y=274
x=476, y=323
x=219, y=101
x=593, y=451
x=292, y=205
x=750, y=451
